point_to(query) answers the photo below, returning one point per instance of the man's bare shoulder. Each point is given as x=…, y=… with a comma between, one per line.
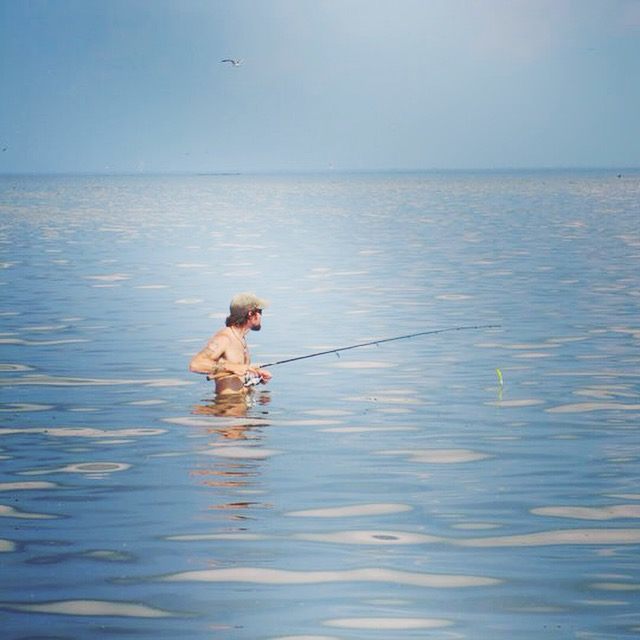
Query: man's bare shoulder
x=221, y=333
x=219, y=339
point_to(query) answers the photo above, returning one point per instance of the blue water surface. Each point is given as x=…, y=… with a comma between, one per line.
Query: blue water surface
x=474, y=483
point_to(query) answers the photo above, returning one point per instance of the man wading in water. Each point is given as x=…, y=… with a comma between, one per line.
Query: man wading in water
x=225, y=357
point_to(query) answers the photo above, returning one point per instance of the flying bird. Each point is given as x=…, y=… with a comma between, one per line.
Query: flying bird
x=234, y=62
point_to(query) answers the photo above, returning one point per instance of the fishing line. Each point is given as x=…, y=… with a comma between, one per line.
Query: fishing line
x=376, y=342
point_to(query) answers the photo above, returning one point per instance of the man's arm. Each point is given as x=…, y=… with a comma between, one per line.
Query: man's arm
x=207, y=361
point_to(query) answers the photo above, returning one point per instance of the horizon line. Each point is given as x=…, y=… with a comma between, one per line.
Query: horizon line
x=326, y=171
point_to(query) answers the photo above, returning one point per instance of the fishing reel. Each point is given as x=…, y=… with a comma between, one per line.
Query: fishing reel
x=251, y=379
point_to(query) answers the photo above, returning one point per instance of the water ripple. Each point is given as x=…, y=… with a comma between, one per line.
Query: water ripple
x=109, y=277
x=439, y=456
x=558, y=537
x=82, y=432
x=24, y=407
x=616, y=586
x=584, y=407
x=41, y=343
x=7, y=511
x=98, y=468
x=27, y=486
x=7, y=546
x=7, y=367
x=61, y=381
x=368, y=537
x=258, y=575
x=388, y=624
x=376, y=429
x=363, y=364
x=356, y=510
x=89, y=608
x=591, y=513
x=525, y=402
x=305, y=637
x=204, y=537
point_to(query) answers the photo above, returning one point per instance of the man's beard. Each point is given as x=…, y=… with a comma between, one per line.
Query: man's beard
x=256, y=327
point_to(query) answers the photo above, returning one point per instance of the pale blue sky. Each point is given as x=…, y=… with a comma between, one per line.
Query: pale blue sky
x=136, y=85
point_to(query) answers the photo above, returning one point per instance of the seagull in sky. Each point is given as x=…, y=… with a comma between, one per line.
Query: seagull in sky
x=235, y=62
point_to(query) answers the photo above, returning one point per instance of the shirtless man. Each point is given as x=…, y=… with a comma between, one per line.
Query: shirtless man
x=225, y=357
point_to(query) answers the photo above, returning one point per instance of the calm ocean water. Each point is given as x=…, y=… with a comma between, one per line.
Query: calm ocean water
x=397, y=491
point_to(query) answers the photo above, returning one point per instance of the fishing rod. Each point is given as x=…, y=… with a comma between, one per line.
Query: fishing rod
x=376, y=342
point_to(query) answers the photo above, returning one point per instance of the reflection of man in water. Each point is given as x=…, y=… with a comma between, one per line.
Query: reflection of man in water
x=225, y=357
x=236, y=405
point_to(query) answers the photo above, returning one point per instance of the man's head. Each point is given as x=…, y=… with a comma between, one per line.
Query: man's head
x=246, y=308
